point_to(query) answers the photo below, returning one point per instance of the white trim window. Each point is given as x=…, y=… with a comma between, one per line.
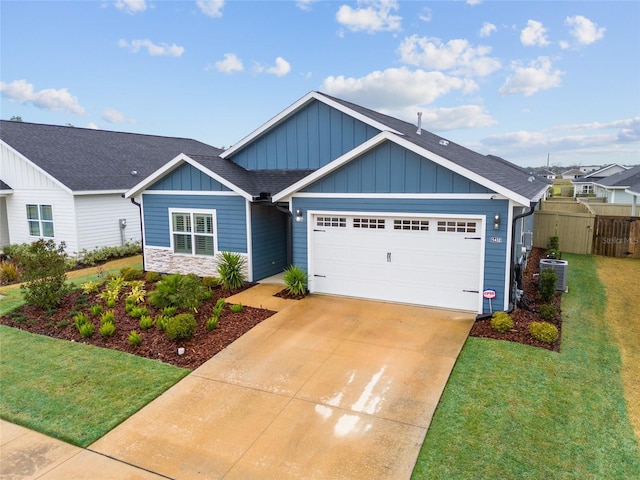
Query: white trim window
x=40, y=220
x=193, y=232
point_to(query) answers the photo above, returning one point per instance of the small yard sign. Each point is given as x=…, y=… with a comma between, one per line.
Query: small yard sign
x=489, y=294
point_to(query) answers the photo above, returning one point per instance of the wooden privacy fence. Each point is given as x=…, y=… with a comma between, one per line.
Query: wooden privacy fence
x=617, y=236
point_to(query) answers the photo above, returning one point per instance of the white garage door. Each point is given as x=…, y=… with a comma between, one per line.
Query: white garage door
x=420, y=260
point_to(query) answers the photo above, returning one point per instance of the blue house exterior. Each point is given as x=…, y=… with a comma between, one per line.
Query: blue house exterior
x=370, y=206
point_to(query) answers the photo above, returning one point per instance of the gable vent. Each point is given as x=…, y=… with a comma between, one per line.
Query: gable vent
x=443, y=142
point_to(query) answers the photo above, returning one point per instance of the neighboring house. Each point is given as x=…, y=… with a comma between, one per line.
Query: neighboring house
x=586, y=185
x=544, y=173
x=614, y=187
x=634, y=191
x=589, y=168
x=66, y=183
x=571, y=174
x=369, y=205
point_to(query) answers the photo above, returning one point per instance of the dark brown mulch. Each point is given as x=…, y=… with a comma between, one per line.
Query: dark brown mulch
x=522, y=317
x=287, y=295
x=155, y=345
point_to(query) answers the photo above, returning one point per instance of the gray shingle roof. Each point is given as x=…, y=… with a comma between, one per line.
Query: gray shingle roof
x=89, y=160
x=493, y=168
x=4, y=186
x=622, y=179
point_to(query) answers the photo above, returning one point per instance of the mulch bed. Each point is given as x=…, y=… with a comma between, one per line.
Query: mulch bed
x=155, y=345
x=522, y=317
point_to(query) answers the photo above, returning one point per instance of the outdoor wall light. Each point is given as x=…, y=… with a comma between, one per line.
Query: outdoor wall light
x=299, y=217
x=496, y=221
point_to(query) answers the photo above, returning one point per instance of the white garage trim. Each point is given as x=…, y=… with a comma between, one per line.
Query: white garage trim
x=362, y=226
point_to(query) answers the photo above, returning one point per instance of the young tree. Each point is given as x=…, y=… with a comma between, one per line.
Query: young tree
x=44, y=263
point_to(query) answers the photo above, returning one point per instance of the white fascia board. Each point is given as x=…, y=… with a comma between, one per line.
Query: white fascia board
x=633, y=191
x=384, y=136
x=171, y=166
x=302, y=102
x=36, y=167
x=402, y=196
x=98, y=192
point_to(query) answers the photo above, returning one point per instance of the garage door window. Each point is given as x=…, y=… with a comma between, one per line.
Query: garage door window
x=456, y=226
x=368, y=223
x=406, y=224
x=340, y=222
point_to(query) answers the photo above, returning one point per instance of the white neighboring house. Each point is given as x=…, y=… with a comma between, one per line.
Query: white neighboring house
x=634, y=191
x=614, y=188
x=586, y=186
x=67, y=183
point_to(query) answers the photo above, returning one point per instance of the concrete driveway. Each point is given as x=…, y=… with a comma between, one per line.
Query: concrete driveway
x=326, y=388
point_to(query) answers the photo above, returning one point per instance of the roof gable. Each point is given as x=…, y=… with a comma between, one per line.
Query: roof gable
x=605, y=171
x=623, y=179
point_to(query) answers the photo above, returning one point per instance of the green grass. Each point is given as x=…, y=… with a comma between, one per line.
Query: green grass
x=72, y=391
x=513, y=411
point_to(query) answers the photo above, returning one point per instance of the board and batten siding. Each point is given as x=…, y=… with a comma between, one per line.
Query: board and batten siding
x=231, y=227
x=30, y=186
x=98, y=218
x=4, y=224
x=188, y=178
x=309, y=139
x=268, y=238
x=496, y=254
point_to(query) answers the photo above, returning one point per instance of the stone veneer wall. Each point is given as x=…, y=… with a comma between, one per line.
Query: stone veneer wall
x=162, y=260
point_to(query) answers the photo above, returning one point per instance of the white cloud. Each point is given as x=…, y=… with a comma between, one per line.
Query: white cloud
x=370, y=16
x=538, y=75
x=153, y=49
x=452, y=118
x=48, y=99
x=92, y=126
x=456, y=55
x=112, y=115
x=584, y=30
x=487, y=29
x=534, y=34
x=305, y=5
x=230, y=64
x=211, y=8
x=131, y=6
x=474, y=2
x=425, y=14
x=280, y=69
x=396, y=88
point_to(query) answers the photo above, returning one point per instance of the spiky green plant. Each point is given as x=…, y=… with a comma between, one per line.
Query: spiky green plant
x=295, y=279
x=231, y=270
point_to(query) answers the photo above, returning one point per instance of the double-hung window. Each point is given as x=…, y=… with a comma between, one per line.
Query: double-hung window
x=40, y=220
x=193, y=232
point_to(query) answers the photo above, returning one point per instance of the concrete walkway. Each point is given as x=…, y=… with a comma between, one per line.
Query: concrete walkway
x=326, y=388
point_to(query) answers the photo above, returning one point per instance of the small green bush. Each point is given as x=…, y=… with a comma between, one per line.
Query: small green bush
x=235, y=308
x=43, y=265
x=63, y=323
x=80, y=319
x=544, y=331
x=9, y=272
x=146, y=322
x=129, y=273
x=230, y=269
x=100, y=255
x=181, y=326
x=96, y=310
x=138, y=312
x=90, y=287
x=134, y=338
x=161, y=322
x=212, y=323
x=169, y=311
x=86, y=329
x=107, y=329
x=548, y=312
x=218, y=308
x=110, y=303
x=176, y=290
x=547, y=284
x=152, y=277
x=210, y=282
x=501, y=322
x=295, y=279
x=108, y=317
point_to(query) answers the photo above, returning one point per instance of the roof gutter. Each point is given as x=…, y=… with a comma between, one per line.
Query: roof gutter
x=141, y=229
x=532, y=208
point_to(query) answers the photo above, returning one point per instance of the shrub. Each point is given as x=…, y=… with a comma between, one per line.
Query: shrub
x=210, y=282
x=544, y=331
x=89, y=287
x=181, y=326
x=96, y=310
x=152, y=277
x=169, y=311
x=176, y=290
x=235, y=308
x=207, y=295
x=8, y=272
x=547, y=284
x=161, y=322
x=501, y=322
x=212, y=323
x=80, y=319
x=102, y=254
x=230, y=269
x=63, y=323
x=129, y=273
x=138, y=312
x=548, y=312
x=146, y=322
x=110, y=303
x=134, y=338
x=107, y=329
x=219, y=306
x=295, y=279
x=137, y=294
x=108, y=317
x=43, y=264
x=86, y=329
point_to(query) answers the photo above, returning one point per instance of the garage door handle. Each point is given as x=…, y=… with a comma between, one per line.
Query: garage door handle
x=471, y=291
x=316, y=230
x=473, y=238
x=389, y=257
x=321, y=276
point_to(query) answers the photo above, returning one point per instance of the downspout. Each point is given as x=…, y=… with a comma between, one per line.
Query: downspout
x=141, y=229
x=532, y=208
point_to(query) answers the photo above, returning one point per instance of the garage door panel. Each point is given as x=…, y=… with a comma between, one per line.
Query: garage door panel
x=422, y=266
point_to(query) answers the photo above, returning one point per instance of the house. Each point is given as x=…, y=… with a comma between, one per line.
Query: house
x=585, y=186
x=571, y=174
x=544, y=173
x=614, y=187
x=589, y=168
x=369, y=205
x=634, y=191
x=66, y=183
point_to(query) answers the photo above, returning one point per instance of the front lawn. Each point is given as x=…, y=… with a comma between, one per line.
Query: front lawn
x=72, y=391
x=513, y=411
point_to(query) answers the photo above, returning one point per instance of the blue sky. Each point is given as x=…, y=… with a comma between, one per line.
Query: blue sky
x=517, y=79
